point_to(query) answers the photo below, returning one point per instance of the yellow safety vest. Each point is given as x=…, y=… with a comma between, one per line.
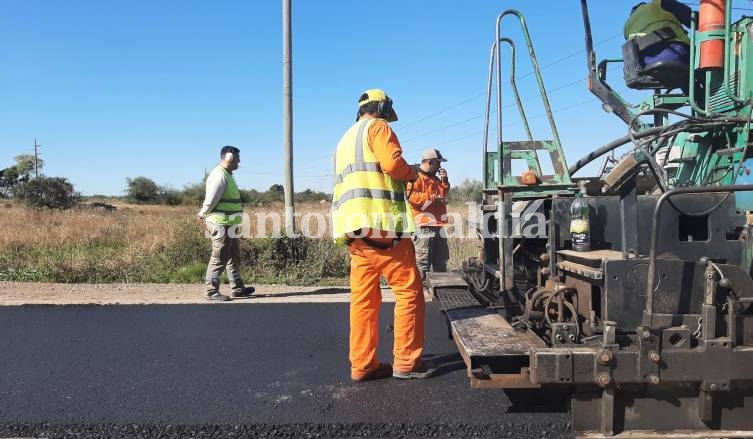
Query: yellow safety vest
x=230, y=204
x=651, y=17
x=363, y=196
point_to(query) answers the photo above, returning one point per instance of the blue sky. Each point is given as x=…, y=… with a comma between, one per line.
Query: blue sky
x=115, y=89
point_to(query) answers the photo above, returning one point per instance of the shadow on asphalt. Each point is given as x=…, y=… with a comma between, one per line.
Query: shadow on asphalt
x=444, y=363
x=537, y=401
x=523, y=400
x=318, y=292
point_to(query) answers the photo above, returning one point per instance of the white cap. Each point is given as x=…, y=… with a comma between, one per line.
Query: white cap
x=431, y=154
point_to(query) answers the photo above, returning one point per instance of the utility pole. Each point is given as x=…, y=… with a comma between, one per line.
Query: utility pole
x=36, y=159
x=287, y=110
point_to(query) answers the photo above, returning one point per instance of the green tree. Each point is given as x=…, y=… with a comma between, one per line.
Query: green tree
x=252, y=197
x=25, y=165
x=142, y=190
x=276, y=192
x=168, y=196
x=468, y=190
x=310, y=196
x=193, y=194
x=19, y=173
x=53, y=192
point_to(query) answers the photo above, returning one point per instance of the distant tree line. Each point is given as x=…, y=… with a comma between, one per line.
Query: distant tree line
x=466, y=191
x=18, y=182
x=142, y=190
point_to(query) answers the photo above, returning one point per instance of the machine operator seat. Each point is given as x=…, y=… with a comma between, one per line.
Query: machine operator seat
x=663, y=72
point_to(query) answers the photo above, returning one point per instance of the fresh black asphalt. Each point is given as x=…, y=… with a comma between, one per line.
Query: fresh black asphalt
x=237, y=370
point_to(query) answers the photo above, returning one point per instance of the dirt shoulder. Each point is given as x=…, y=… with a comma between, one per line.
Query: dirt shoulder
x=31, y=293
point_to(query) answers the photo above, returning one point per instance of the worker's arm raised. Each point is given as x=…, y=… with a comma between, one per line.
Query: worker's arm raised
x=389, y=153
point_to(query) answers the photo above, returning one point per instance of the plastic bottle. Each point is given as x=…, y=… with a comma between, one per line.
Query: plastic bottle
x=580, y=232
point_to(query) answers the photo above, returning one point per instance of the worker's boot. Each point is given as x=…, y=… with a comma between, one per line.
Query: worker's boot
x=384, y=370
x=217, y=297
x=244, y=292
x=421, y=372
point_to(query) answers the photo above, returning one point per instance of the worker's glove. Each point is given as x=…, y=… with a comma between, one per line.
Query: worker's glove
x=442, y=173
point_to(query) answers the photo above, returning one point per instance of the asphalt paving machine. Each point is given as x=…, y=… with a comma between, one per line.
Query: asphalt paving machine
x=650, y=331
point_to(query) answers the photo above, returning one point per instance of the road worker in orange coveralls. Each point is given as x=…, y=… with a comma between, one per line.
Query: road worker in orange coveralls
x=427, y=197
x=370, y=214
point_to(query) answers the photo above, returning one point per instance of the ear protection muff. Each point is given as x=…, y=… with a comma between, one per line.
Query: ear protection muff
x=384, y=108
x=386, y=111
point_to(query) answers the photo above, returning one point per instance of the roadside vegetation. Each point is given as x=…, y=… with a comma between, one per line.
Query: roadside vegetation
x=147, y=244
x=162, y=244
x=149, y=235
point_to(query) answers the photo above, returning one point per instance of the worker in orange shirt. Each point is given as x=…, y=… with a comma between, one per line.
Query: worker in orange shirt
x=427, y=197
x=370, y=214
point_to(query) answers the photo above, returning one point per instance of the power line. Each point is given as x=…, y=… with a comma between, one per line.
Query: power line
x=525, y=75
x=571, y=55
x=494, y=111
x=443, y=110
x=734, y=9
x=538, y=116
x=465, y=101
x=317, y=176
x=562, y=87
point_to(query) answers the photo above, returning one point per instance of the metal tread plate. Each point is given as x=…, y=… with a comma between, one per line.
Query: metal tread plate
x=449, y=279
x=484, y=333
x=456, y=298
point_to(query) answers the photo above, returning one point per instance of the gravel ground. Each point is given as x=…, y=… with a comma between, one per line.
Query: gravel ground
x=33, y=293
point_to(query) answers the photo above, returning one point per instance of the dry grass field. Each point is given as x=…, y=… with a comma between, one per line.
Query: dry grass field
x=147, y=243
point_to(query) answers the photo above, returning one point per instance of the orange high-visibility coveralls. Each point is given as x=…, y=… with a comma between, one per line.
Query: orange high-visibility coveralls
x=423, y=192
x=398, y=265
